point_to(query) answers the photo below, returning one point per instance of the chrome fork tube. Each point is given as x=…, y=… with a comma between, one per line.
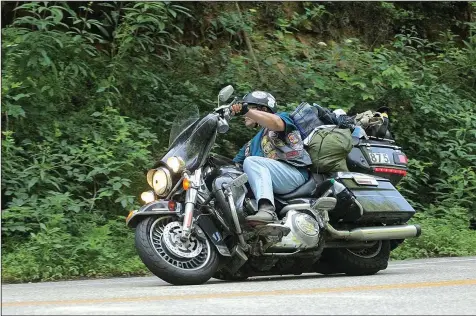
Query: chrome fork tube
x=190, y=200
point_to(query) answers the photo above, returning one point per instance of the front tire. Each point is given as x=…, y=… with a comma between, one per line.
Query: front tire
x=158, y=244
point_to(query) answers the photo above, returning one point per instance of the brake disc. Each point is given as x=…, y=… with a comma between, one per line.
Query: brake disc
x=171, y=236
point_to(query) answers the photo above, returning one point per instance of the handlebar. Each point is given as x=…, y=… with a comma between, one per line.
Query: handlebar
x=224, y=116
x=225, y=110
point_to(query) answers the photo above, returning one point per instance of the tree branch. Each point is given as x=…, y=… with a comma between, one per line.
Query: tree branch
x=250, y=48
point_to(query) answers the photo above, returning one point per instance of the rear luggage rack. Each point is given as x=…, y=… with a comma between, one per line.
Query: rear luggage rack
x=378, y=138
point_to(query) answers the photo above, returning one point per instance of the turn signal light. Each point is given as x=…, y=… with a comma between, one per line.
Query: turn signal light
x=390, y=170
x=186, y=184
x=129, y=215
x=172, y=206
x=403, y=158
x=400, y=158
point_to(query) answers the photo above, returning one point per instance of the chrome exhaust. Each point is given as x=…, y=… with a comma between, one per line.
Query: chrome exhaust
x=376, y=233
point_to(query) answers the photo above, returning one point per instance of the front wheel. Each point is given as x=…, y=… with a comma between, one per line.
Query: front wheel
x=165, y=255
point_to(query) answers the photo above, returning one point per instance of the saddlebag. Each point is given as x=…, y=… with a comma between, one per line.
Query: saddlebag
x=377, y=202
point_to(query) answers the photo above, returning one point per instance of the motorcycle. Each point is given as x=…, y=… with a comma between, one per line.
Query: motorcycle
x=192, y=226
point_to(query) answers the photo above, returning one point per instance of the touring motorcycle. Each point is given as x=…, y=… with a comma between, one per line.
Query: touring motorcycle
x=192, y=226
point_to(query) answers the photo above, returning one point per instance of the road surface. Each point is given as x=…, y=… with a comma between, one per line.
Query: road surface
x=431, y=286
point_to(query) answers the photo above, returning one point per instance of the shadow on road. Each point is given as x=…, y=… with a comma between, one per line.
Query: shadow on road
x=256, y=279
x=279, y=277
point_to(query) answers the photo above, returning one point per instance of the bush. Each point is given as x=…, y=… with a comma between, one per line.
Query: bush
x=64, y=195
x=444, y=234
x=52, y=253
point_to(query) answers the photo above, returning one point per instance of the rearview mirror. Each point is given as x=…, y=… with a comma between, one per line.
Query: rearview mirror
x=225, y=93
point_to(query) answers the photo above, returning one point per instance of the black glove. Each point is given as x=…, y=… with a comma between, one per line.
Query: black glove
x=244, y=109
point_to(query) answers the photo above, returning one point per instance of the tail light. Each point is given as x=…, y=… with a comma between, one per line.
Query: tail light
x=391, y=170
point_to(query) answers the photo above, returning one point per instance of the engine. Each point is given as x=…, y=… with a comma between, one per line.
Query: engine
x=304, y=233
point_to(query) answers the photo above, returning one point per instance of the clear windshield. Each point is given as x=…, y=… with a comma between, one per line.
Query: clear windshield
x=185, y=117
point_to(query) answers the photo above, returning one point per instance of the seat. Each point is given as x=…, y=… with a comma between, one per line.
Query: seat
x=305, y=190
x=315, y=186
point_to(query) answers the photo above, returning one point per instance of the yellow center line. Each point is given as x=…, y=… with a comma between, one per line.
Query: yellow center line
x=248, y=293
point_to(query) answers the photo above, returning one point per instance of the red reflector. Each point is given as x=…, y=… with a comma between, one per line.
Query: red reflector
x=172, y=206
x=390, y=170
x=403, y=158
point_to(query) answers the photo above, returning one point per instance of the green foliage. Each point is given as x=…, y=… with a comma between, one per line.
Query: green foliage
x=445, y=234
x=90, y=90
x=61, y=192
x=74, y=170
x=310, y=20
x=230, y=24
x=50, y=254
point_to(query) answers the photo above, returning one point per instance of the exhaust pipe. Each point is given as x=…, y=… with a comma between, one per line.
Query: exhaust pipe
x=376, y=233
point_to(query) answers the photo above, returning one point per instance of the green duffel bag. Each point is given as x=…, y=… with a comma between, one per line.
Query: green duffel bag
x=328, y=148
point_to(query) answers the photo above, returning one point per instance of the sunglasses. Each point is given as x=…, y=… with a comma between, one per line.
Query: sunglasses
x=257, y=107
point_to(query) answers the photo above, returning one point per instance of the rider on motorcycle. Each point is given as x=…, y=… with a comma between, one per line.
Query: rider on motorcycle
x=274, y=159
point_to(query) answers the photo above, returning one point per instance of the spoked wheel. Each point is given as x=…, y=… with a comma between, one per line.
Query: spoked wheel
x=180, y=263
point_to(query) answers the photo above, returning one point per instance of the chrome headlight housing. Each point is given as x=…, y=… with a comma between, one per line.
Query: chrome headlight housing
x=160, y=180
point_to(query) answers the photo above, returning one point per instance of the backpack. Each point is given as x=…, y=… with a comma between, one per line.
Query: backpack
x=307, y=117
x=374, y=124
x=328, y=147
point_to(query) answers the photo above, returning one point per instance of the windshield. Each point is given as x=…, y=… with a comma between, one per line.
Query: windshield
x=191, y=137
x=185, y=118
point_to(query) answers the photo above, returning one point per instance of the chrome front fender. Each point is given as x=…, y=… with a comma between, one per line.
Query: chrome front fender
x=159, y=207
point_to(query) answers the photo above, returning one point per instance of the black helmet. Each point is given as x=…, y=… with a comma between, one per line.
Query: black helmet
x=261, y=98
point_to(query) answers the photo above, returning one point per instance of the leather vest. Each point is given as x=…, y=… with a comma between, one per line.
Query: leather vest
x=281, y=146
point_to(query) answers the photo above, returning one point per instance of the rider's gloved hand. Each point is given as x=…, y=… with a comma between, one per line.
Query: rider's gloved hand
x=239, y=108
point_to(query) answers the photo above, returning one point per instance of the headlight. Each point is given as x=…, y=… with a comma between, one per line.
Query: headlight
x=176, y=164
x=161, y=181
x=147, y=196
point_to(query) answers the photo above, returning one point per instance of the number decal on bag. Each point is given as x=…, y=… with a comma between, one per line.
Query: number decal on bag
x=379, y=158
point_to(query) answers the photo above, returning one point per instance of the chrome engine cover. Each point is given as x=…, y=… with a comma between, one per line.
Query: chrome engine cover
x=304, y=233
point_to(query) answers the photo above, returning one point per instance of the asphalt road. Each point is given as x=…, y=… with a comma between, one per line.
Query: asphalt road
x=433, y=286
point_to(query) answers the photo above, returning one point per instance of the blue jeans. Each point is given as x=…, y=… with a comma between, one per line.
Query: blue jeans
x=266, y=176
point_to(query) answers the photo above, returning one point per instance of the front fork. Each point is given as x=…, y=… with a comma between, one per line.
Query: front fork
x=190, y=201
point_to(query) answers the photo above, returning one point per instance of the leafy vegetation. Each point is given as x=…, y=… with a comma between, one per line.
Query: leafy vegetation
x=90, y=89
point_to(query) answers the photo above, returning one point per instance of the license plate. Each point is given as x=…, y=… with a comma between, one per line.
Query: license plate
x=379, y=158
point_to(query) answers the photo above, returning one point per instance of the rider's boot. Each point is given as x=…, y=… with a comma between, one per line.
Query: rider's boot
x=266, y=213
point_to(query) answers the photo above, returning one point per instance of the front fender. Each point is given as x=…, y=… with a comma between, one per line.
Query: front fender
x=207, y=225
x=159, y=207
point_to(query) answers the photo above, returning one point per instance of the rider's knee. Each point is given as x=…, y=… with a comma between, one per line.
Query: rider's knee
x=250, y=162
